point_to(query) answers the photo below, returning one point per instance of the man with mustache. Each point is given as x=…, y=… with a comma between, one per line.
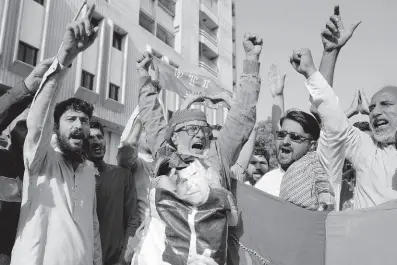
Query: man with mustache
x=58, y=222
x=373, y=157
x=116, y=202
x=252, y=162
x=186, y=144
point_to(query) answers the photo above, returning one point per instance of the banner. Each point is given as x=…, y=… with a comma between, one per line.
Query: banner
x=273, y=231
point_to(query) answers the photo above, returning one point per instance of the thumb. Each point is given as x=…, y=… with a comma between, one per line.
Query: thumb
x=353, y=27
x=207, y=253
x=283, y=78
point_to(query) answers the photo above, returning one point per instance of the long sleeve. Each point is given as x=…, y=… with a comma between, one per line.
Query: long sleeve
x=151, y=114
x=13, y=103
x=338, y=139
x=97, y=237
x=242, y=115
x=131, y=219
x=40, y=118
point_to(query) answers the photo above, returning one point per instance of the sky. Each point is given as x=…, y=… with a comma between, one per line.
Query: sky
x=368, y=60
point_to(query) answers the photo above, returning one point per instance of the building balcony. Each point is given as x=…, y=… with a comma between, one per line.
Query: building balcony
x=210, y=8
x=208, y=65
x=209, y=34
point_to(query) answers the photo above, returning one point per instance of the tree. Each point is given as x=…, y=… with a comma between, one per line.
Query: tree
x=265, y=141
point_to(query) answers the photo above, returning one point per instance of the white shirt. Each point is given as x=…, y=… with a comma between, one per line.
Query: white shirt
x=271, y=182
x=58, y=224
x=375, y=165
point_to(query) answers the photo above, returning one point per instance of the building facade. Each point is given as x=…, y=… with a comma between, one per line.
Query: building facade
x=198, y=35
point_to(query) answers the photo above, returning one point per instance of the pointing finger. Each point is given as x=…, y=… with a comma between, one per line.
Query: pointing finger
x=90, y=11
x=336, y=10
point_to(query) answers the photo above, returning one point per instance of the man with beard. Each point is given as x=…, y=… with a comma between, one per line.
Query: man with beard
x=252, y=162
x=373, y=157
x=297, y=136
x=58, y=222
x=116, y=202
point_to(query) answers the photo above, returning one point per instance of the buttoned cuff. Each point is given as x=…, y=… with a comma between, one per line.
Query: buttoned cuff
x=251, y=67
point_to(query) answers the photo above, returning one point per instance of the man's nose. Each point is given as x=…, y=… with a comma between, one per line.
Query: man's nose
x=200, y=133
x=77, y=123
x=287, y=140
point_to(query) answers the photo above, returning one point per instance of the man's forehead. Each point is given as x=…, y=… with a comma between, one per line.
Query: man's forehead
x=389, y=92
x=292, y=126
x=95, y=131
x=74, y=113
x=258, y=158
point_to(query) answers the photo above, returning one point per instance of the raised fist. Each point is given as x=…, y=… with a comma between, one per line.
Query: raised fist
x=335, y=35
x=276, y=81
x=302, y=61
x=143, y=63
x=78, y=37
x=252, y=46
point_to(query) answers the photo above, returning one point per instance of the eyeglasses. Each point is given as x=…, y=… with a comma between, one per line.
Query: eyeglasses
x=194, y=129
x=295, y=137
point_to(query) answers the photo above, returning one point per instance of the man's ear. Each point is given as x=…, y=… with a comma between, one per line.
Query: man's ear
x=313, y=146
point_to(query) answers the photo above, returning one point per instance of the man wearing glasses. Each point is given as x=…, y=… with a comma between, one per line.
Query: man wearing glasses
x=297, y=136
x=185, y=142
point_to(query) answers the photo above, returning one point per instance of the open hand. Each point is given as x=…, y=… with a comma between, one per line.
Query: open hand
x=33, y=81
x=335, y=35
x=252, y=46
x=143, y=63
x=78, y=37
x=363, y=106
x=276, y=81
x=302, y=61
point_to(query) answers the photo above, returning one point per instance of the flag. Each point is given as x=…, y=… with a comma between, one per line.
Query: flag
x=184, y=82
x=273, y=231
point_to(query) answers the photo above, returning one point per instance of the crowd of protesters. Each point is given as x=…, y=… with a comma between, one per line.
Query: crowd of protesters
x=61, y=203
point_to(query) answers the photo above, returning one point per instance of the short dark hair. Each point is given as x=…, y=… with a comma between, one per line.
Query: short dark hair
x=97, y=125
x=73, y=104
x=307, y=121
x=362, y=126
x=258, y=151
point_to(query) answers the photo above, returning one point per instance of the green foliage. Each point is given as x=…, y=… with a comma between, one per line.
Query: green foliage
x=265, y=140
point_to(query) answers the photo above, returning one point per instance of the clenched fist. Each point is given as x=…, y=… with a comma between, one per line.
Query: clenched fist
x=302, y=61
x=252, y=46
x=143, y=63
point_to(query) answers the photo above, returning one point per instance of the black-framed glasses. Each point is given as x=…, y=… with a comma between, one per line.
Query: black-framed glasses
x=295, y=137
x=194, y=129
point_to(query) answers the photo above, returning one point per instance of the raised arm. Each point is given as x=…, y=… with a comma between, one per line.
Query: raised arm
x=127, y=154
x=334, y=37
x=339, y=139
x=78, y=37
x=245, y=156
x=242, y=115
x=276, y=84
x=17, y=99
x=151, y=113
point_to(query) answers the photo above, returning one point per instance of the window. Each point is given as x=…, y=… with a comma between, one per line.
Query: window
x=114, y=92
x=95, y=22
x=41, y=2
x=27, y=53
x=165, y=36
x=168, y=5
x=117, y=39
x=146, y=22
x=87, y=80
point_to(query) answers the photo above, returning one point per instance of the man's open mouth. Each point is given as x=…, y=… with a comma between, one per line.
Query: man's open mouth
x=380, y=123
x=285, y=150
x=199, y=146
